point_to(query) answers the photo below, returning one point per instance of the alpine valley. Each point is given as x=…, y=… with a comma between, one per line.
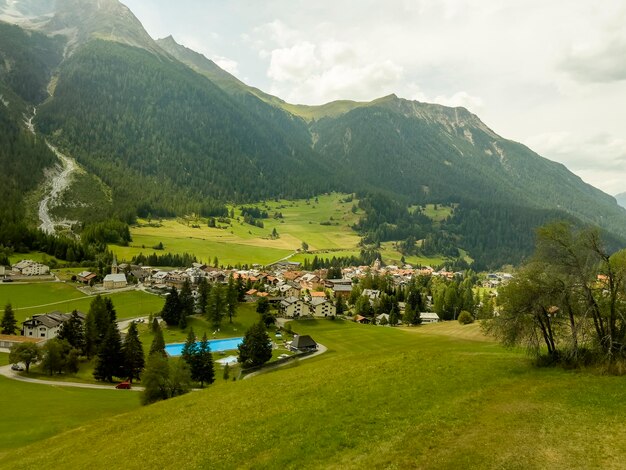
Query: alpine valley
x=157, y=130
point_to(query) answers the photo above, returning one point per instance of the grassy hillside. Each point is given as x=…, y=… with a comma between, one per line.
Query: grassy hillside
x=37, y=412
x=239, y=242
x=437, y=397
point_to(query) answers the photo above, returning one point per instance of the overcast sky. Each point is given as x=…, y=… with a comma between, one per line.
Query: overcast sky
x=550, y=74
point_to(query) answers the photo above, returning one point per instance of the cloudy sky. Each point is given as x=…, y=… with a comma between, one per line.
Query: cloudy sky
x=550, y=74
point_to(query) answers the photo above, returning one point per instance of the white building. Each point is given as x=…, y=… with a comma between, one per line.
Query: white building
x=47, y=325
x=292, y=307
x=29, y=267
x=429, y=317
x=322, y=307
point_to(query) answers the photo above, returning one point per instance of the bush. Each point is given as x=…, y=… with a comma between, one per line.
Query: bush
x=465, y=318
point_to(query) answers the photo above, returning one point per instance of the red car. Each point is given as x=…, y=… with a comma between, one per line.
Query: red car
x=123, y=385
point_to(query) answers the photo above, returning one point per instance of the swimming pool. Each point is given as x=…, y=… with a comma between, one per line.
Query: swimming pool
x=226, y=344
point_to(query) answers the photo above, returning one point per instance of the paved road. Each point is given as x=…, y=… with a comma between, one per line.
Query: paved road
x=321, y=349
x=11, y=374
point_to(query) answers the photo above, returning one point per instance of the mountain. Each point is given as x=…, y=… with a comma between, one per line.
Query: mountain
x=171, y=133
x=621, y=199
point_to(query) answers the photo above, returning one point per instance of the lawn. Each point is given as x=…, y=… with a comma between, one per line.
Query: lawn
x=37, y=412
x=30, y=299
x=38, y=256
x=437, y=396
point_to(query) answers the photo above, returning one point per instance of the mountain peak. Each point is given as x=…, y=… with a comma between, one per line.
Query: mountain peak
x=79, y=21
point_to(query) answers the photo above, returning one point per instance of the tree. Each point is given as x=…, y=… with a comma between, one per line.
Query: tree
x=411, y=316
x=9, y=323
x=203, y=290
x=56, y=357
x=340, y=306
x=256, y=347
x=110, y=360
x=132, y=351
x=26, y=353
x=171, y=311
x=262, y=306
x=232, y=298
x=155, y=379
x=226, y=373
x=465, y=318
x=394, y=316
x=202, y=369
x=190, y=349
x=158, y=343
x=73, y=332
x=187, y=302
x=363, y=306
x=91, y=335
x=305, y=246
x=216, y=305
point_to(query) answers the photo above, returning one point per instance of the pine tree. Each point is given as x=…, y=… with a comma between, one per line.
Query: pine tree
x=158, y=343
x=73, y=332
x=91, y=335
x=232, y=297
x=9, y=323
x=187, y=302
x=190, y=349
x=202, y=369
x=101, y=316
x=393, y=316
x=203, y=290
x=215, y=306
x=132, y=351
x=256, y=347
x=110, y=359
x=172, y=309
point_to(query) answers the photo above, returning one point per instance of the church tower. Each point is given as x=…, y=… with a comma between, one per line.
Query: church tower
x=114, y=265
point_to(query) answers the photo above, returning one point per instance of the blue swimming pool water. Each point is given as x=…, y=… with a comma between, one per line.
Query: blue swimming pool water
x=227, y=344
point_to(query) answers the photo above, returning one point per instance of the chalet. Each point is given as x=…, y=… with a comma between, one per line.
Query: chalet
x=371, y=294
x=86, y=277
x=114, y=281
x=361, y=319
x=28, y=267
x=303, y=343
x=322, y=307
x=429, y=317
x=293, y=307
x=310, y=281
x=320, y=294
x=46, y=326
x=341, y=290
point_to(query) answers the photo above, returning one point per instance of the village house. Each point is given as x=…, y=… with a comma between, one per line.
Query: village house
x=86, y=277
x=310, y=281
x=289, y=290
x=46, y=326
x=322, y=307
x=293, y=307
x=303, y=343
x=29, y=267
x=429, y=317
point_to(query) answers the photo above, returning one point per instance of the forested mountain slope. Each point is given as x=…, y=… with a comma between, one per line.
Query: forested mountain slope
x=171, y=133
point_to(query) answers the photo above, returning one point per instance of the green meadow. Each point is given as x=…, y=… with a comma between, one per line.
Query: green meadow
x=239, y=242
x=437, y=396
x=34, y=412
x=324, y=224
x=31, y=299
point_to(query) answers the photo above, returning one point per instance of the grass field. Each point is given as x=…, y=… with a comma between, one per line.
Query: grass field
x=30, y=299
x=243, y=243
x=37, y=412
x=33, y=255
x=438, y=396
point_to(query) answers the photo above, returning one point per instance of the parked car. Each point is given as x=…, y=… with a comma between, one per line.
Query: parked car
x=17, y=367
x=7, y=280
x=123, y=385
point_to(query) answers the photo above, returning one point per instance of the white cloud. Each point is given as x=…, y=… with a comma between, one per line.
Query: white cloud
x=600, y=158
x=227, y=64
x=461, y=98
x=294, y=63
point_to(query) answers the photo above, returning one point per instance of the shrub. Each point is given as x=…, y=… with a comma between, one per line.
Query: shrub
x=465, y=318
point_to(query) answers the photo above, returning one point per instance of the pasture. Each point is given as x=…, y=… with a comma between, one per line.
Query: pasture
x=31, y=299
x=437, y=396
